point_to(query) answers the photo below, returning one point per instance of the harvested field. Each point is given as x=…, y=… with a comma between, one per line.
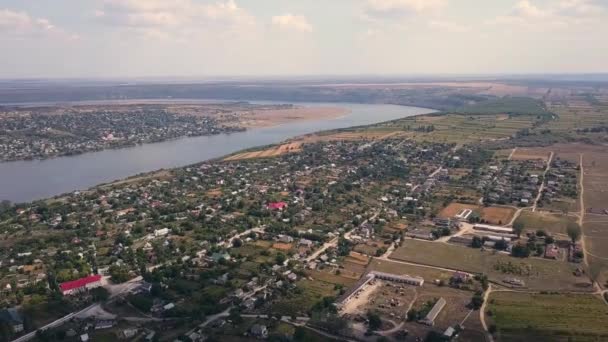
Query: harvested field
x=497, y=215
x=273, y=117
x=531, y=154
x=282, y=246
x=454, y=208
x=270, y=152
x=548, y=317
x=540, y=274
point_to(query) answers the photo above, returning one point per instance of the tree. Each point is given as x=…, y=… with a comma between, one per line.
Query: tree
x=574, y=231
x=236, y=243
x=119, y=274
x=374, y=321
x=518, y=228
x=520, y=251
x=280, y=258
x=477, y=242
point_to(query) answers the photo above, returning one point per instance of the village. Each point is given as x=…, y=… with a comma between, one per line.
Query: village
x=356, y=238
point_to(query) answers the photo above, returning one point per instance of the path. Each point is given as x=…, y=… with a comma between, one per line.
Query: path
x=482, y=312
x=542, y=185
x=581, y=216
x=512, y=153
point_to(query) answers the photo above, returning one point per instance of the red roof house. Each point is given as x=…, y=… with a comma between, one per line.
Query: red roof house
x=75, y=286
x=276, y=205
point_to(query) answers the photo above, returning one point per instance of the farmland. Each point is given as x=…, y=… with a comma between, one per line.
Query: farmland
x=497, y=215
x=537, y=273
x=548, y=317
x=549, y=222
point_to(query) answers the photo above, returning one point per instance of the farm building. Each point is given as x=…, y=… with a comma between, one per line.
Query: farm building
x=364, y=280
x=79, y=285
x=495, y=229
x=463, y=215
x=435, y=311
x=406, y=279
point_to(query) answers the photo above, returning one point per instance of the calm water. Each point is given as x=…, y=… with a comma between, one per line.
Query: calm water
x=23, y=181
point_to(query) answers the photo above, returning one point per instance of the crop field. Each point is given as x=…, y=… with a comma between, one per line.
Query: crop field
x=541, y=274
x=548, y=317
x=429, y=274
x=549, y=222
x=497, y=215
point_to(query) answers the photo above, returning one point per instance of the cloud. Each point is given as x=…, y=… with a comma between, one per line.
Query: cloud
x=292, y=22
x=560, y=14
x=175, y=18
x=394, y=9
x=20, y=25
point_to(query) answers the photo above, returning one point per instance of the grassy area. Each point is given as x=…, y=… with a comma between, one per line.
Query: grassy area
x=544, y=317
x=299, y=302
x=551, y=223
x=541, y=274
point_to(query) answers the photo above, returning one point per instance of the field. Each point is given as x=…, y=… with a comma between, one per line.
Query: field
x=546, y=317
x=507, y=105
x=267, y=153
x=549, y=222
x=454, y=208
x=497, y=215
x=530, y=154
x=541, y=274
x=273, y=117
x=299, y=303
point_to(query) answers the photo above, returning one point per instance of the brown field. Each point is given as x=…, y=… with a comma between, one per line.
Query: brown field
x=271, y=152
x=497, y=215
x=282, y=246
x=273, y=117
x=332, y=278
x=214, y=192
x=454, y=208
x=531, y=154
x=353, y=136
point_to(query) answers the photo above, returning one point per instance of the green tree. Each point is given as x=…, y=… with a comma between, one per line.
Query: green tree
x=574, y=231
x=518, y=228
x=374, y=321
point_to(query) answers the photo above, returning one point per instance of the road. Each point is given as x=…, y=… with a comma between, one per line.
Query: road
x=54, y=324
x=542, y=185
x=581, y=216
x=482, y=312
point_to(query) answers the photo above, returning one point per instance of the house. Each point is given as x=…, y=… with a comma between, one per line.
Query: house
x=129, y=333
x=84, y=337
x=104, y=324
x=79, y=285
x=259, y=331
x=161, y=232
x=435, y=311
x=551, y=251
x=285, y=238
x=13, y=319
x=306, y=243
x=276, y=205
x=169, y=306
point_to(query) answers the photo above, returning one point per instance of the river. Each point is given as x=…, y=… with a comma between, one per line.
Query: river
x=24, y=181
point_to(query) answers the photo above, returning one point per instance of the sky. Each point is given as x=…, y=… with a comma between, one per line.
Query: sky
x=211, y=38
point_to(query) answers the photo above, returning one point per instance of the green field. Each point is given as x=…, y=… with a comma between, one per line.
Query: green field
x=301, y=301
x=551, y=223
x=541, y=274
x=507, y=105
x=544, y=317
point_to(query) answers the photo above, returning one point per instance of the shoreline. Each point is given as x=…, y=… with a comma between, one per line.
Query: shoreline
x=178, y=153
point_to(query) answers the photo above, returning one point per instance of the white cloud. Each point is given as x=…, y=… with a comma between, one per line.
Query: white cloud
x=175, y=18
x=559, y=14
x=21, y=25
x=393, y=9
x=292, y=22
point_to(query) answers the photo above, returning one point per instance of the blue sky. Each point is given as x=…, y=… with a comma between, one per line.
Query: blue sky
x=198, y=38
